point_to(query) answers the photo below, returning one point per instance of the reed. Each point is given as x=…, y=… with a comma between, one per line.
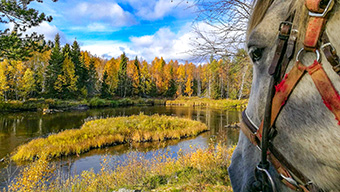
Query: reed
x=105, y=132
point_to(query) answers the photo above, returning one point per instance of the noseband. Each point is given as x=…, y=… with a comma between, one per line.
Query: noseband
x=281, y=87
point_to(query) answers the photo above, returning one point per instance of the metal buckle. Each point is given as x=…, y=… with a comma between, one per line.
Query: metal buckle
x=327, y=9
x=285, y=36
x=328, y=44
x=268, y=176
x=317, y=52
x=290, y=180
x=285, y=23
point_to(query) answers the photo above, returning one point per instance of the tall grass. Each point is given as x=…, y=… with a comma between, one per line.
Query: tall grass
x=221, y=104
x=200, y=170
x=111, y=131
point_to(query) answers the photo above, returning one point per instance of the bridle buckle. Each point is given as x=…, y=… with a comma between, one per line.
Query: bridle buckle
x=269, y=177
x=324, y=13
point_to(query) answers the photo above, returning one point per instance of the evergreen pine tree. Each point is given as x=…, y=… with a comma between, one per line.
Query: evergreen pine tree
x=122, y=77
x=54, y=68
x=91, y=84
x=80, y=69
x=104, y=92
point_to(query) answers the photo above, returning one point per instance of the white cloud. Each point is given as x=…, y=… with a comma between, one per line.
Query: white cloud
x=164, y=43
x=108, y=12
x=154, y=10
x=49, y=31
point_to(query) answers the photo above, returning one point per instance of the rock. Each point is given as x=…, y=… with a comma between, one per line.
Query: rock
x=233, y=125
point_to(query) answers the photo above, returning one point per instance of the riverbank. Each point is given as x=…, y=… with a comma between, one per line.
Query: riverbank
x=55, y=105
x=199, y=170
x=220, y=104
x=106, y=132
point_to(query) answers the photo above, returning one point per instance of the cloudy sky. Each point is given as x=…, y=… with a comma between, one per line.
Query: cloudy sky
x=143, y=28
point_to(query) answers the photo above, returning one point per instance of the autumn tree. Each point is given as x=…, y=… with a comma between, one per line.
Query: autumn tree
x=28, y=83
x=3, y=80
x=189, y=79
x=180, y=80
x=146, y=82
x=66, y=83
x=136, y=78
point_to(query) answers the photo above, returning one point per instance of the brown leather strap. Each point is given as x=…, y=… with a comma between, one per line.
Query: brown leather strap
x=329, y=94
x=283, y=91
x=330, y=53
x=285, y=28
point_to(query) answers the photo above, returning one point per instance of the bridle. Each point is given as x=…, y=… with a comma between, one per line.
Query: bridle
x=281, y=87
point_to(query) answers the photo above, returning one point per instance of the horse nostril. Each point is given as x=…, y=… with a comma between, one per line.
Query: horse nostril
x=256, y=53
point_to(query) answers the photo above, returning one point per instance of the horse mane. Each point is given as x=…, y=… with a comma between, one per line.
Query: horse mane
x=260, y=8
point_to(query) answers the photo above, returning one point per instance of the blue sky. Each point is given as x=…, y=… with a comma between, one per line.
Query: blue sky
x=144, y=28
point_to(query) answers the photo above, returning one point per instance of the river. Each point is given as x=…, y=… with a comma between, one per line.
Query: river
x=19, y=128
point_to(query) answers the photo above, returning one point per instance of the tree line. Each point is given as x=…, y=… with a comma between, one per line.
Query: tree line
x=69, y=73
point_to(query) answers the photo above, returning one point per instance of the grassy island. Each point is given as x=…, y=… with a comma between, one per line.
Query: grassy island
x=111, y=131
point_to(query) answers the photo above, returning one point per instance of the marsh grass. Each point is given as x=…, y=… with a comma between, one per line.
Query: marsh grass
x=199, y=170
x=110, y=131
x=220, y=104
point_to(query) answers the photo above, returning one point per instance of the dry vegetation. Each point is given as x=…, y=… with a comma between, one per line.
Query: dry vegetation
x=111, y=131
x=221, y=104
x=200, y=170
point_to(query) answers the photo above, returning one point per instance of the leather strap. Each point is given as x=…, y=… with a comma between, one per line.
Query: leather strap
x=330, y=53
x=283, y=91
x=314, y=30
x=314, y=6
x=284, y=33
x=329, y=94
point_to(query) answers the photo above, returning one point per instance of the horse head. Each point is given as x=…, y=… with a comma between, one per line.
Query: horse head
x=308, y=134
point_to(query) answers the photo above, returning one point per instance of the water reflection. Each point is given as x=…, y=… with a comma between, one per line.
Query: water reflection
x=19, y=128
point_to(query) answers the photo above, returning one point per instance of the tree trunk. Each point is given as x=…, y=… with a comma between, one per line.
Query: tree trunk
x=243, y=81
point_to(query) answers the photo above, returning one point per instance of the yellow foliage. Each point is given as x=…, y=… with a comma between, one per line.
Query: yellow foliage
x=199, y=170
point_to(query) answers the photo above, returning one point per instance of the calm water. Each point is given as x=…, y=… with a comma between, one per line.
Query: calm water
x=19, y=128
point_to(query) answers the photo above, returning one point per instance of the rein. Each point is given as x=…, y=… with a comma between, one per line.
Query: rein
x=281, y=87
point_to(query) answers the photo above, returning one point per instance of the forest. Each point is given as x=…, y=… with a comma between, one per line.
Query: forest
x=66, y=72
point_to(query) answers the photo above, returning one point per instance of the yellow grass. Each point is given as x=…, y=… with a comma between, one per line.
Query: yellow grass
x=200, y=170
x=111, y=131
x=221, y=104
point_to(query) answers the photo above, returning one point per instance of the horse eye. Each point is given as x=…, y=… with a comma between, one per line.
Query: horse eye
x=255, y=53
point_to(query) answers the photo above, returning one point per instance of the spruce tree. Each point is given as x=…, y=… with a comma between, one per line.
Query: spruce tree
x=91, y=84
x=104, y=91
x=122, y=76
x=54, y=68
x=80, y=69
